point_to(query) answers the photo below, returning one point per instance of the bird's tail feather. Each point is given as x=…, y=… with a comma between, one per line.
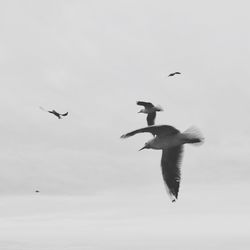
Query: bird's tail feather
x=193, y=135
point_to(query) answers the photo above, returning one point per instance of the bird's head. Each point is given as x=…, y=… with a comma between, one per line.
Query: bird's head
x=147, y=145
x=158, y=108
x=142, y=111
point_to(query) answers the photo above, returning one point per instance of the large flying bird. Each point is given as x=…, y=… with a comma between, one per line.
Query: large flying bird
x=170, y=141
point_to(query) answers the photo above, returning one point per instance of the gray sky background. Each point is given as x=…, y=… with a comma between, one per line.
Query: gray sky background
x=95, y=59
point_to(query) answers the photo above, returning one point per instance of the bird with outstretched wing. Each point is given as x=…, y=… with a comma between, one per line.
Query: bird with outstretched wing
x=174, y=73
x=58, y=115
x=150, y=110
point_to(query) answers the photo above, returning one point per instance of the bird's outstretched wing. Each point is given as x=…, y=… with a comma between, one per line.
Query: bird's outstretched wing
x=159, y=130
x=55, y=113
x=64, y=114
x=175, y=73
x=43, y=109
x=151, y=118
x=170, y=166
x=145, y=104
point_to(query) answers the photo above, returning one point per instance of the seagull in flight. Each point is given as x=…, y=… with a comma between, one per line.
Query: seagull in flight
x=149, y=109
x=174, y=73
x=170, y=141
x=58, y=115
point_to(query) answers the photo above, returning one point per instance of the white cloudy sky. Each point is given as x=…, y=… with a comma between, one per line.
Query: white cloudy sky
x=95, y=59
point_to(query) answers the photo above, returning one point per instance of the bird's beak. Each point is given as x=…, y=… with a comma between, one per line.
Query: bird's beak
x=139, y=111
x=142, y=148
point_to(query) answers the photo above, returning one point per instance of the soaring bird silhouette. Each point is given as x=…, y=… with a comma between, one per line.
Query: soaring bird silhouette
x=149, y=109
x=58, y=115
x=170, y=141
x=175, y=73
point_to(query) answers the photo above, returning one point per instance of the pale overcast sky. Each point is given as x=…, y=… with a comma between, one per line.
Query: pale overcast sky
x=95, y=59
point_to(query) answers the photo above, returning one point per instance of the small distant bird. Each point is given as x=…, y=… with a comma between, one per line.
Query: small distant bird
x=170, y=141
x=149, y=109
x=37, y=191
x=175, y=73
x=58, y=115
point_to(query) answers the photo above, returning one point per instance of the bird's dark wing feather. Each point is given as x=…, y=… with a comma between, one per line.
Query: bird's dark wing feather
x=151, y=118
x=64, y=114
x=145, y=104
x=172, y=74
x=159, y=130
x=55, y=113
x=170, y=166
